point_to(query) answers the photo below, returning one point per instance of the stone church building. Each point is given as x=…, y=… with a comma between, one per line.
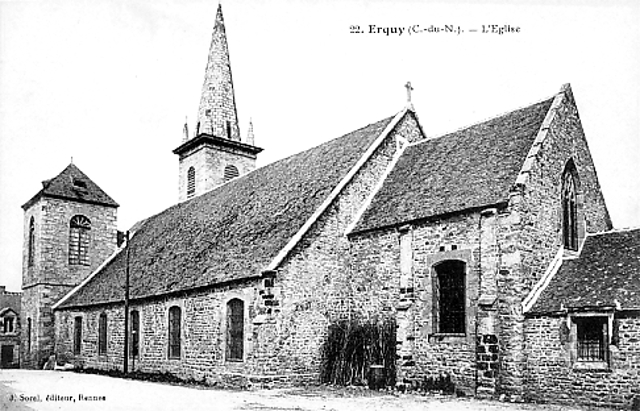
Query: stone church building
x=491, y=247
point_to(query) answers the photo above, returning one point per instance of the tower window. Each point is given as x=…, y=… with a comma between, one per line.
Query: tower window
x=32, y=240
x=79, y=239
x=450, y=297
x=569, y=209
x=235, y=330
x=77, y=335
x=102, y=334
x=229, y=130
x=191, y=182
x=174, y=332
x=230, y=172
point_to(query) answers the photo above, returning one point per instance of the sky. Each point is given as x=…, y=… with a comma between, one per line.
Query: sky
x=109, y=83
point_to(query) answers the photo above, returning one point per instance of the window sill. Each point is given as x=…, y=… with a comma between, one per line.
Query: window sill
x=448, y=337
x=585, y=366
x=234, y=360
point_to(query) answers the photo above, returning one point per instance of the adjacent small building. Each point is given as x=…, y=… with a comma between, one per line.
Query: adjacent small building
x=582, y=326
x=9, y=328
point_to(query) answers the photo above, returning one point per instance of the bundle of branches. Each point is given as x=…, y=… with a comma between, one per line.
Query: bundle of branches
x=352, y=346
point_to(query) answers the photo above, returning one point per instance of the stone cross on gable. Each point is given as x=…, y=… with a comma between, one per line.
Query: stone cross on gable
x=409, y=89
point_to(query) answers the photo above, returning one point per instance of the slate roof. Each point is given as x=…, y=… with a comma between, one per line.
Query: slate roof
x=607, y=271
x=472, y=167
x=232, y=232
x=10, y=301
x=73, y=184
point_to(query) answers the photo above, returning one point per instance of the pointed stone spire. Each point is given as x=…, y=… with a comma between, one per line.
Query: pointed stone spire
x=217, y=113
x=250, y=137
x=185, y=131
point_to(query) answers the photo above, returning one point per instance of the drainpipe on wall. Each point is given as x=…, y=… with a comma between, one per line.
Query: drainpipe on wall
x=126, y=311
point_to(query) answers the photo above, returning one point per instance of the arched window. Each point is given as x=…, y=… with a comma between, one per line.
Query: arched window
x=569, y=208
x=79, y=240
x=235, y=330
x=191, y=182
x=28, y=335
x=77, y=334
x=135, y=333
x=174, y=332
x=230, y=172
x=32, y=241
x=450, y=297
x=102, y=334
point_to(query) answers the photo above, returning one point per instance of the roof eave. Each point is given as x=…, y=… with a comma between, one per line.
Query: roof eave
x=208, y=138
x=502, y=204
x=61, y=306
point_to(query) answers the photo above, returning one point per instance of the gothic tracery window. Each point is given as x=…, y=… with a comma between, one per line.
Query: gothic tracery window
x=79, y=239
x=569, y=210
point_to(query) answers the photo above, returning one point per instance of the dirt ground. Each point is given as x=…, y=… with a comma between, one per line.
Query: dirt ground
x=25, y=390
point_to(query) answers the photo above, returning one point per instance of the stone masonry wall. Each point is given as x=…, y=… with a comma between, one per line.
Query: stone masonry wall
x=471, y=359
x=51, y=276
x=551, y=376
x=536, y=225
x=203, y=336
x=313, y=279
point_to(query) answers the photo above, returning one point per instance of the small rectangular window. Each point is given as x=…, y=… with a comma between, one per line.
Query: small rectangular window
x=592, y=339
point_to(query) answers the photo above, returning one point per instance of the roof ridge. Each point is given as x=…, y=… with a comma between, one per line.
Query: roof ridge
x=336, y=190
x=613, y=231
x=541, y=135
x=485, y=120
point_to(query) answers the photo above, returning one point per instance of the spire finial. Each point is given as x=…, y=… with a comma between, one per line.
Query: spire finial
x=71, y=159
x=409, y=90
x=185, y=130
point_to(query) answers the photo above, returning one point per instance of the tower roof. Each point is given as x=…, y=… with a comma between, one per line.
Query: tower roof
x=73, y=184
x=217, y=113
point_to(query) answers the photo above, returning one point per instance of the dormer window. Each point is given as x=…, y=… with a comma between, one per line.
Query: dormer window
x=79, y=183
x=8, y=325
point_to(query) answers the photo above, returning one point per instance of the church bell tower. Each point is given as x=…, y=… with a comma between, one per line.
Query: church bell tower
x=215, y=153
